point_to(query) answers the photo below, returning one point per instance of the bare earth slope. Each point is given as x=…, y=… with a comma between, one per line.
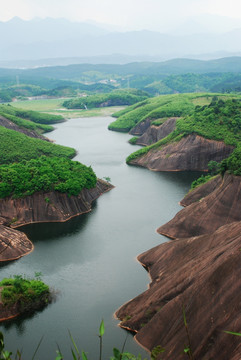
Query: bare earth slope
x=13, y=244
x=52, y=206
x=222, y=206
x=201, y=191
x=40, y=207
x=156, y=133
x=12, y=126
x=203, y=274
x=191, y=153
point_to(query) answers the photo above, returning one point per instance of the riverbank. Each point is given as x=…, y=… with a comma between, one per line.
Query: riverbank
x=37, y=208
x=197, y=276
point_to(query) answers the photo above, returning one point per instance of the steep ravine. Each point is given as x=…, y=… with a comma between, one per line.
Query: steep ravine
x=40, y=207
x=200, y=272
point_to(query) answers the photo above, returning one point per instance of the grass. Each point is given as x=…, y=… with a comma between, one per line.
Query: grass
x=15, y=147
x=22, y=290
x=47, y=105
x=55, y=107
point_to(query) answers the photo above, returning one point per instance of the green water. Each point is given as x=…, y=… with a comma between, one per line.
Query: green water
x=90, y=260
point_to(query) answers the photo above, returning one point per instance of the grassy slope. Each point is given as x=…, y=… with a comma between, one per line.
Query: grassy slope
x=175, y=105
x=15, y=147
x=220, y=120
x=55, y=106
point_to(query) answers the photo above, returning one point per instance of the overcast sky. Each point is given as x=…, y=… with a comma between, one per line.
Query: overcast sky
x=129, y=14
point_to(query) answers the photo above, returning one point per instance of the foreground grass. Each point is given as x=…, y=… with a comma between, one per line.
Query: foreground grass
x=55, y=107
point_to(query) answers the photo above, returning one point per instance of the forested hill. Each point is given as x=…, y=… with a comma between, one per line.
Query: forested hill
x=217, y=118
x=173, y=76
x=29, y=164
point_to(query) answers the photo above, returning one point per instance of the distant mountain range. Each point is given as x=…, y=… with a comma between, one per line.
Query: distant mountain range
x=40, y=42
x=165, y=68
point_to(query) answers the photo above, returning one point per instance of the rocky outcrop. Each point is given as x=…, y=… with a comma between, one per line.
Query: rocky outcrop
x=50, y=207
x=12, y=126
x=222, y=206
x=203, y=276
x=40, y=207
x=191, y=153
x=201, y=191
x=13, y=244
x=156, y=133
x=141, y=127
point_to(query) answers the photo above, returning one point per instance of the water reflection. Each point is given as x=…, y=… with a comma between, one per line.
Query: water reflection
x=56, y=230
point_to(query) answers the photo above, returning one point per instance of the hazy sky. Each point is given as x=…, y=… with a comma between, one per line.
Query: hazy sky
x=131, y=14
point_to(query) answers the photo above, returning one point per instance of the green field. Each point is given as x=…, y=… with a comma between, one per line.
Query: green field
x=54, y=106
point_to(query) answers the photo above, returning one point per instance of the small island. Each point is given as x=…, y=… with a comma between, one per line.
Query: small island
x=20, y=295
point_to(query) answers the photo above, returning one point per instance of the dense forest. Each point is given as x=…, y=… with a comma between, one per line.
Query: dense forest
x=115, y=98
x=45, y=174
x=29, y=165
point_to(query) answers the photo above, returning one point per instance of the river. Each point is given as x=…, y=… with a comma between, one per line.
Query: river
x=90, y=261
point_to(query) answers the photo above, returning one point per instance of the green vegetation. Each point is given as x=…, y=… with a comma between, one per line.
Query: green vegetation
x=46, y=105
x=45, y=174
x=219, y=120
x=22, y=291
x=36, y=117
x=115, y=98
x=232, y=163
x=158, y=122
x=27, y=124
x=173, y=137
x=161, y=107
x=133, y=140
x=15, y=147
x=76, y=354
x=55, y=107
x=200, y=181
x=20, y=91
x=191, y=82
x=154, y=108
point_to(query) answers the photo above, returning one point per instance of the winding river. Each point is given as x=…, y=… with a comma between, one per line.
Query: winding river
x=90, y=261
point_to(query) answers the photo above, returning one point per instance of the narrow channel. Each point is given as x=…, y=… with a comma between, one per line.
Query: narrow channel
x=90, y=260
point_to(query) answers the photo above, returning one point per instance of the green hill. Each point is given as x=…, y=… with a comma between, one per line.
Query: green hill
x=219, y=120
x=115, y=98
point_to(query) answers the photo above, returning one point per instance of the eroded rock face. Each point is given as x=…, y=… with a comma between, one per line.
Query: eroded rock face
x=201, y=274
x=12, y=126
x=40, y=207
x=156, y=133
x=191, y=153
x=50, y=207
x=200, y=192
x=141, y=127
x=13, y=244
x=222, y=206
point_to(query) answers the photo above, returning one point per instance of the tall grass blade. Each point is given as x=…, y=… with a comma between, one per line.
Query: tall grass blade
x=123, y=347
x=84, y=356
x=73, y=354
x=102, y=328
x=75, y=346
x=37, y=347
x=232, y=333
